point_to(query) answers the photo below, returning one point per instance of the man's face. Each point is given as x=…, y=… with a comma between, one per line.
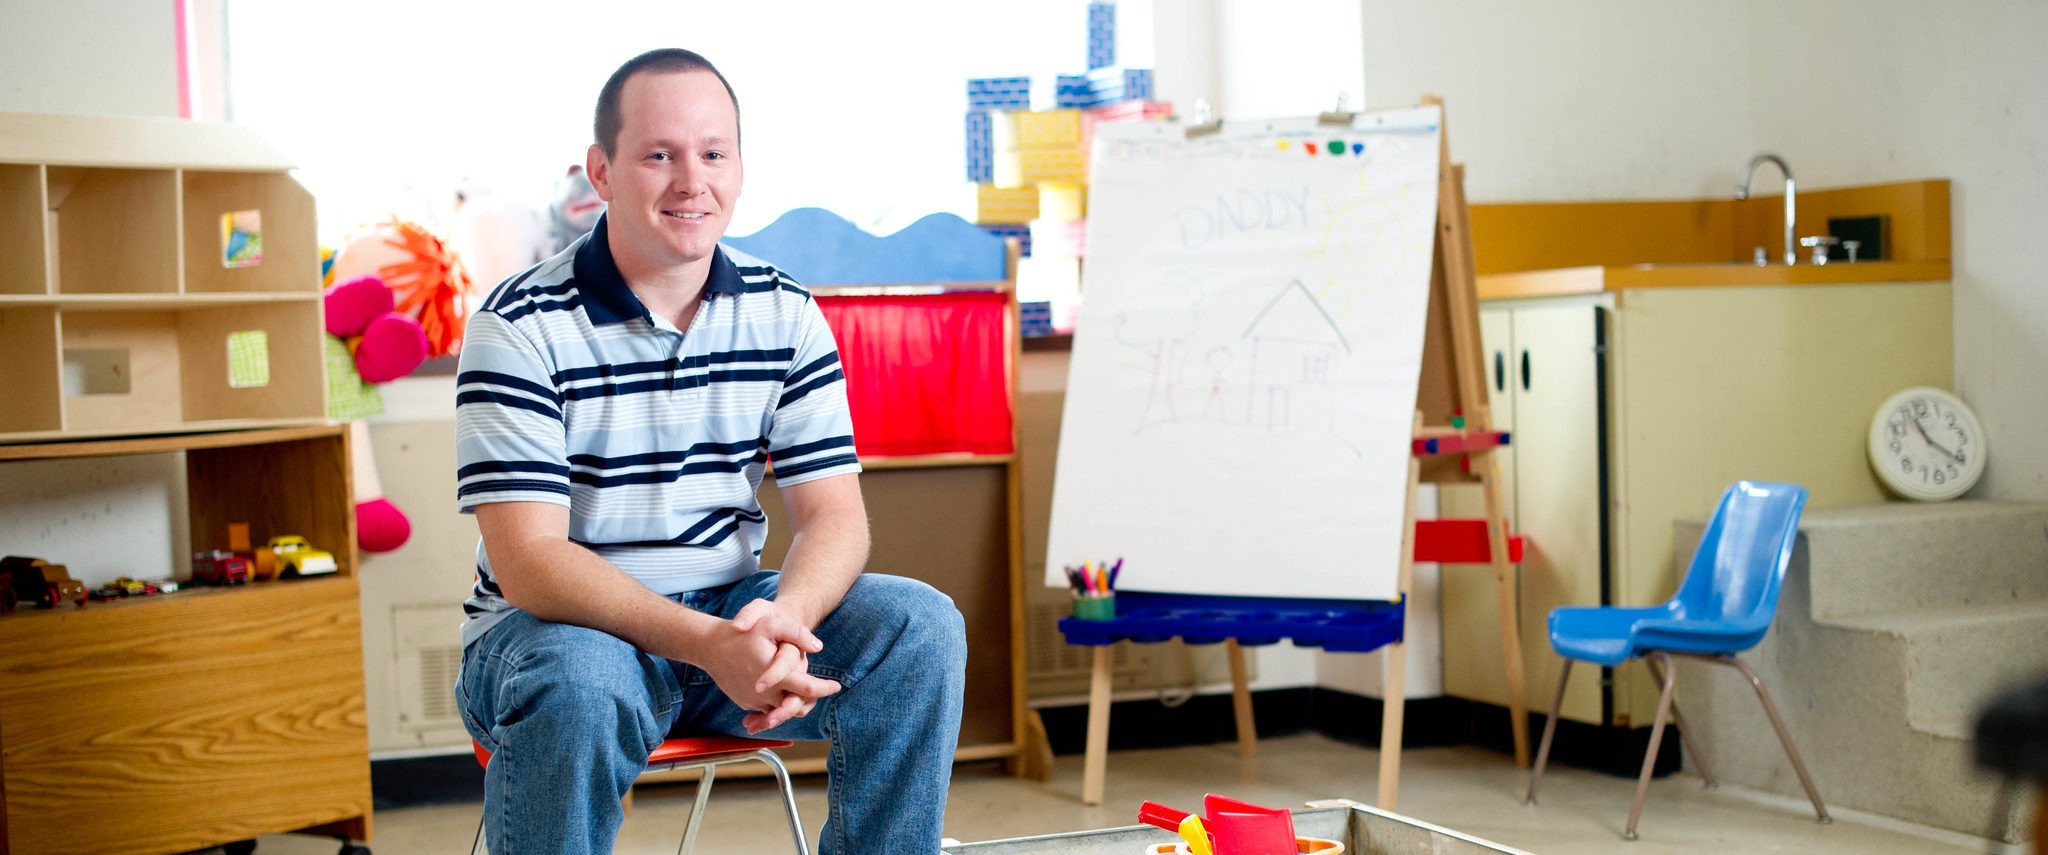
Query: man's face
x=674, y=175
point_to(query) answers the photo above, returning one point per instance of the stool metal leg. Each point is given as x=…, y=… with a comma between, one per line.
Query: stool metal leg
x=709, y=773
x=1549, y=730
x=796, y=824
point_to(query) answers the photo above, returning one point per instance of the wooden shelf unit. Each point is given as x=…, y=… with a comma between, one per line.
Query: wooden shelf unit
x=178, y=721
x=181, y=721
x=118, y=307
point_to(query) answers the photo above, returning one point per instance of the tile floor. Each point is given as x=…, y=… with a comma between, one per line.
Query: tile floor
x=1469, y=789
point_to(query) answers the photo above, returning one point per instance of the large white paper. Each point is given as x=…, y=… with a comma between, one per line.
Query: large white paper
x=1242, y=391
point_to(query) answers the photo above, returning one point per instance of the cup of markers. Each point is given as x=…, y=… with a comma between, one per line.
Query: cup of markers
x=1094, y=587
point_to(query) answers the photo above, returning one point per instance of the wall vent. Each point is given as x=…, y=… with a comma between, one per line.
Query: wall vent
x=428, y=648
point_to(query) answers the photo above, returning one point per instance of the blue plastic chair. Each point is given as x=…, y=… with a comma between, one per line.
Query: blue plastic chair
x=1723, y=607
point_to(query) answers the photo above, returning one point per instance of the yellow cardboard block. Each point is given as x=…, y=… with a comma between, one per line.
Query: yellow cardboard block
x=1058, y=202
x=994, y=204
x=1019, y=168
x=1047, y=129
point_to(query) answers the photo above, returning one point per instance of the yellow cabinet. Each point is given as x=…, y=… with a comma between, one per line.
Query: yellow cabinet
x=1545, y=372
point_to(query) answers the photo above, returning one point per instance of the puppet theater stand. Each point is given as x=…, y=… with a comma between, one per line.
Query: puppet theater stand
x=175, y=722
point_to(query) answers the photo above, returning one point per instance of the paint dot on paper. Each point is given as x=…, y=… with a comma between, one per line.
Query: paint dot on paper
x=1283, y=145
x=1336, y=146
x=1310, y=147
x=1357, y=148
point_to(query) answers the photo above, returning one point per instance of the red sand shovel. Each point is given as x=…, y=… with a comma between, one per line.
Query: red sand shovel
x=1243, y=828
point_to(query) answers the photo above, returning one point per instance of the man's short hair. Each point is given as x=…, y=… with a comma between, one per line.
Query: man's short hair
x=658, y=61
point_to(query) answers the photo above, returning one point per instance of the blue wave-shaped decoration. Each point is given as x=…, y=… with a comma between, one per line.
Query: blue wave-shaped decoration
x=818, y=247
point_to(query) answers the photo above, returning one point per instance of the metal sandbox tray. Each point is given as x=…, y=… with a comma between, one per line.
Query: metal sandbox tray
x=1363, y=831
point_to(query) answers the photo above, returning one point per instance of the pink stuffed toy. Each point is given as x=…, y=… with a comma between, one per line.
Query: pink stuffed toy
x=386, y=346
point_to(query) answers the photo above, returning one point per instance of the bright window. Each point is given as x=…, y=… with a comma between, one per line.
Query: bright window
x=855, y=107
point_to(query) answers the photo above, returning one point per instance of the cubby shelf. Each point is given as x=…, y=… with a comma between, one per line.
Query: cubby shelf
x=155, y=276
x=145, y=310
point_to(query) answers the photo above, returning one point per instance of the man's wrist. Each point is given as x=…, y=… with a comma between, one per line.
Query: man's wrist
x=693, y=636
x=804, y=608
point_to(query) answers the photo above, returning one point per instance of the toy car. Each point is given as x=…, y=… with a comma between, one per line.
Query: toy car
x=219, y=567
x=296, y=557
x=42, y=582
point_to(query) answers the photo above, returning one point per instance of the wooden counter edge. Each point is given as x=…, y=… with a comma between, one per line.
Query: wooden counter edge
x=1593, y=280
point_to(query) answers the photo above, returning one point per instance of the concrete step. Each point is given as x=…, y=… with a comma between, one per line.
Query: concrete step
x=1956, y=658
x=1903, y=556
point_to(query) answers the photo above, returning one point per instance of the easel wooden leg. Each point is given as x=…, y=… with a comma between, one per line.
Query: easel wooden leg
x=1510, y=618
x=1394, y=685
x=1096, y=766
x=1241, y=701
x=1034, y=755
x=1394, y=673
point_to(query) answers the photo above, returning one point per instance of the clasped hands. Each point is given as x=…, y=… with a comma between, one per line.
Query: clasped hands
x=761, y=661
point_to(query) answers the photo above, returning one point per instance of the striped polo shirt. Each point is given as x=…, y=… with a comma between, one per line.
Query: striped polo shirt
x=570, y=392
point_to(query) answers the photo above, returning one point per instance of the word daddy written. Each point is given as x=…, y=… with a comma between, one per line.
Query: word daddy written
x=1243, y=211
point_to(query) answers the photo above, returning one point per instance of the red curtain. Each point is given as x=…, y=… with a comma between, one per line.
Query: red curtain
x=926, y=373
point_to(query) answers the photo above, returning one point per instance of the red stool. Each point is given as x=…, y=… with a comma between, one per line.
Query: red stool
x=705, y=753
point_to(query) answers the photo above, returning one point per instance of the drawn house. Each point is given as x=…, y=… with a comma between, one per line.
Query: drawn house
x=1297, y=352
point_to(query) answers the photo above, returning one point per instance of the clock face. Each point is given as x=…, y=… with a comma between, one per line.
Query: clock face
x=1926, y=444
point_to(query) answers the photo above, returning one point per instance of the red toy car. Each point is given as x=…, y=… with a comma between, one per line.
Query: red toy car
x=219, y=567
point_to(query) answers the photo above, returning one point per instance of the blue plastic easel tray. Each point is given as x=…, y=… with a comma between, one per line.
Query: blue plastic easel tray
x=1339, y=626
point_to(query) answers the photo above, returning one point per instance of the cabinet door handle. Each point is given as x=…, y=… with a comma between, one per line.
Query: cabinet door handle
x=1500, y=371
x=1525, y=370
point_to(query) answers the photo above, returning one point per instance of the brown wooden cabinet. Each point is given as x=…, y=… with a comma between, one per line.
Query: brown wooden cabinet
x=180, y=721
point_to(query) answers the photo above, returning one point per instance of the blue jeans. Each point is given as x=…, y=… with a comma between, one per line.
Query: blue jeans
x=570, y=715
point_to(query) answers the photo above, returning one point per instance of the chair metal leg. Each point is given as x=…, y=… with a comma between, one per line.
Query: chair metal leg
x=1635, y=810
x=478, y=848
x=1820, y=809
x=709, y=774
x=1549, y=730
x=1699, y=758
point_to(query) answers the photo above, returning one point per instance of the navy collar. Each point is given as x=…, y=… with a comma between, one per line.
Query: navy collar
x=607, y=300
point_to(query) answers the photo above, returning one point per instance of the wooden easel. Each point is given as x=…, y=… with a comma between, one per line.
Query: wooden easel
x=1451, y=419
x=1452, y=389
x=1453, y=382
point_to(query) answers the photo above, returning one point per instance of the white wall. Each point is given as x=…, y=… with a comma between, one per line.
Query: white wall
x=1257, y=58
x=114, y=57
x=1592, y=99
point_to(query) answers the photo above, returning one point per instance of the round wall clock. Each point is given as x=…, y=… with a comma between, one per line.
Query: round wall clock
x=1926, y=444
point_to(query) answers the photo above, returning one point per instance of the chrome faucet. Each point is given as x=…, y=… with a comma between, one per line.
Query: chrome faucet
x=1791, y=255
